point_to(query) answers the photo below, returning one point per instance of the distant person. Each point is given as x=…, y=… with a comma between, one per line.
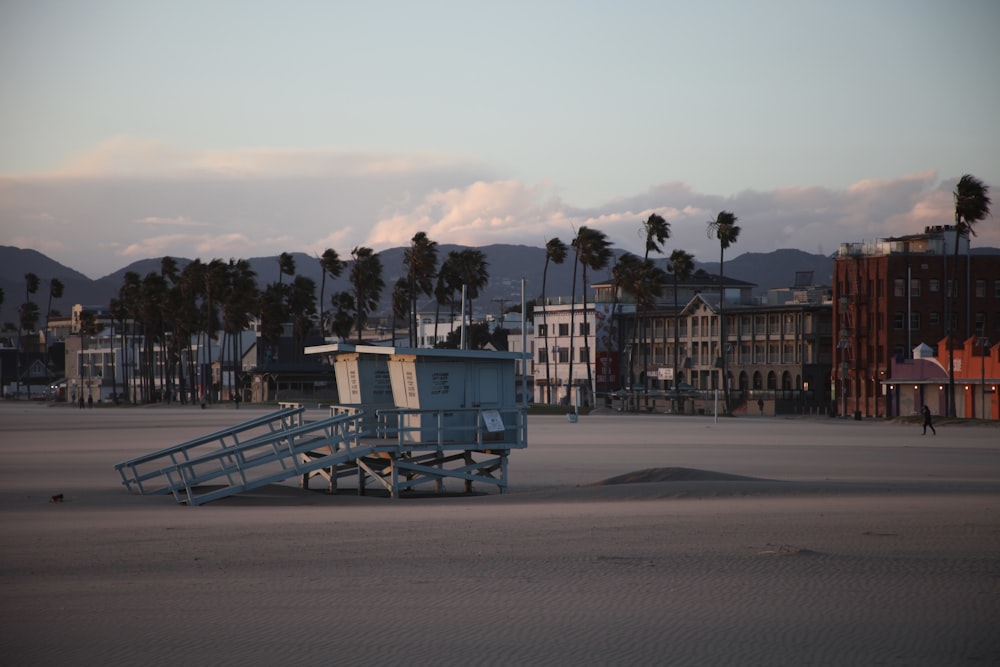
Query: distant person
x=760, y=406
x=90, y=401
x=926, y=411
x=81, y=401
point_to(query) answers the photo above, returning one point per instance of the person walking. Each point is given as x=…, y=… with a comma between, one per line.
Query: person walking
x=760, y=406
x=927, y=420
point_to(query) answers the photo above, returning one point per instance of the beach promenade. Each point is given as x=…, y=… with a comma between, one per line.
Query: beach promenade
x=625, y=540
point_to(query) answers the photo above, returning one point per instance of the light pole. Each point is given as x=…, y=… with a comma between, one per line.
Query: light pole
x=555, y=359
x=984, y=344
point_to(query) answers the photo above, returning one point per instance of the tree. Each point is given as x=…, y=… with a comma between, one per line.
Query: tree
x=555, y=252
x=681, y=264
x=420, y=260
x=330, y=265
x=56, y=288
x=401, y=306
x=342, y=320
x=302, y=308
x=366, y=279
x=471, y=270
x=286, y=266
x=592, y=251
x=448, y=283
x=27, y=321
x=972, y=204
x=726, y=231
x=657, y=232
x=239, y=301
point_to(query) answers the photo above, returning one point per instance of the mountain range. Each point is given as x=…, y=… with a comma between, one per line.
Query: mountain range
x=507, y=265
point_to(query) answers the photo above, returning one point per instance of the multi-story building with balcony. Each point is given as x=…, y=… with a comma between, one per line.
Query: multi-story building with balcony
x=895, y=294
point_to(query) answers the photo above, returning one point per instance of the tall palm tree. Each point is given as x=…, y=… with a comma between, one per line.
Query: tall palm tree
x=302, y=308
x=366, y=279
x=238, y=302
x=681, y=264
x=27, y=320
x=593, y=251
x=657, y=231
x=447, y=284
x=401, y=307
x=726, y=231
x=330, y=265
x=56, y=288
x=286, y=266
x=972, y=204
x=420, y=260
x=473, y=272
x=555, y=252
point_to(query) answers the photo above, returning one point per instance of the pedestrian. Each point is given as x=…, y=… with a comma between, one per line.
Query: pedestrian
x=81, y=401
x=760, y=406
x=927, y=420
x=90, y=401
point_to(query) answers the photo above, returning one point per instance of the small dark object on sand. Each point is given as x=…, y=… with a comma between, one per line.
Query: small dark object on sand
x=58, y=498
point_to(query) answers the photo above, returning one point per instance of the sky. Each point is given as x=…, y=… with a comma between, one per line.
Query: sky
x=241, y=128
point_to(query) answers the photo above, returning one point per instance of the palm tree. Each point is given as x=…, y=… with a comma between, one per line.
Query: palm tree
x=331, y=265
x=56, y=288
x=342, y=320
x=302, y=308
x=681, y=264
x=366, y=278
x=238, y=303
x=27, y=320
x=472, y=270
x=401, y=306
x=286, y=265
x=657, y=231
x=447, y=284
x=593, y=251
x=555, y=252
x=420, y=260
x=972, y=204
x=725, y=229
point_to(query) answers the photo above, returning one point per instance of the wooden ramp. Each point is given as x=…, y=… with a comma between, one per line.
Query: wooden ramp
x=146, y=474
x=410, y=448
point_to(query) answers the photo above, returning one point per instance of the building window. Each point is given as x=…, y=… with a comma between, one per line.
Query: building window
x=584, y=354
x=980, y=289
x=563, y=355
x=584, y=328
x=563, y=329
x=934, y=285
x=899, y=287
x=543, y=355
x=898, y=320
x=952, y=288
x=935, y=319
x=915, y=287
x=543, y=330
x=980, y=323
x=914, y=321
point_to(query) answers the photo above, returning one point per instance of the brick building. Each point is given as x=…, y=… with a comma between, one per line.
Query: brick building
x=892, y=295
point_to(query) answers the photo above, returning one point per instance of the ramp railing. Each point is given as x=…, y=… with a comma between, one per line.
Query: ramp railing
x=145, y=474
x=267, y=459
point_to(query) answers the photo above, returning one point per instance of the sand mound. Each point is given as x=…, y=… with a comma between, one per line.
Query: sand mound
x=672, y=475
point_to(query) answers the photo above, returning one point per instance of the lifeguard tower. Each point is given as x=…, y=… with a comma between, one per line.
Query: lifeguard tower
x=405, y=417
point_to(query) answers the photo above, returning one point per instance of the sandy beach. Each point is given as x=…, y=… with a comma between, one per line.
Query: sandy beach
x=751, y=541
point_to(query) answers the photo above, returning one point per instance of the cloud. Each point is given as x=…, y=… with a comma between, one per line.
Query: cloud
x=128, y=200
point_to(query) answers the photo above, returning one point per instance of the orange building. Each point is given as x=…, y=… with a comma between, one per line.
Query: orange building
x=924, y=380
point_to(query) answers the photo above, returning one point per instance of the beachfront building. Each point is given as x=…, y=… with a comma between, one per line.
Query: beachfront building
x=922, y=379
x=778, y=349
x=892, y=295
